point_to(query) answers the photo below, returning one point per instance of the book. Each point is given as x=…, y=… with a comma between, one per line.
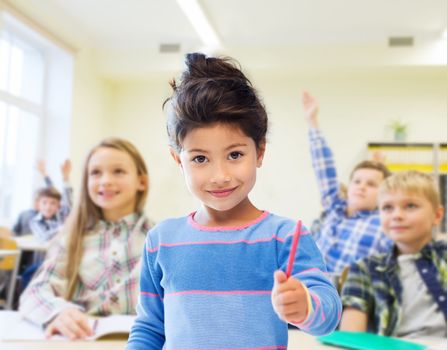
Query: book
x=115, y=325
x=14, y=327
x=367, y=341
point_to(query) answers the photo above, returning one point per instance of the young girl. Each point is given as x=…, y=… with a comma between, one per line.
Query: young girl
x=93, y=266
x=214, y=279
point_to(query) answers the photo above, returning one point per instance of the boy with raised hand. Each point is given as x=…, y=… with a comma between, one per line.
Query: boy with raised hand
x=22, y=225
x=52, y=207
x=402, y=293
x=351, y=227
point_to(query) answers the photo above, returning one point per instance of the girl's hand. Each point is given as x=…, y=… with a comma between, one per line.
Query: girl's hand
x=310, y=108
x=289, y=298
x=71, y=323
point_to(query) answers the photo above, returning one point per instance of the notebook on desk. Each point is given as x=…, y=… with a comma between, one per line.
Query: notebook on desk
x=13, y=327
x=367, y=341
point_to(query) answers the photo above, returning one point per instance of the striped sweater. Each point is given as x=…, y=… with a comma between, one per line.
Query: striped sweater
x=210, y=288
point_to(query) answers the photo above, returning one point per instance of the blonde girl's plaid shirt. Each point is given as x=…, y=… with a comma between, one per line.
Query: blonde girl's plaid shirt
x=341, y=239
x=108, y=275
x=373, y=286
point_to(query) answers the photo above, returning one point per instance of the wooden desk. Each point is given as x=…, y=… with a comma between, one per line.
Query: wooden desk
x=297, y=341
x=30, y=243
x=65, y=345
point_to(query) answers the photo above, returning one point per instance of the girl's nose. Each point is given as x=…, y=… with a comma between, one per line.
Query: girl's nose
x=220, y=175
x=105, y=178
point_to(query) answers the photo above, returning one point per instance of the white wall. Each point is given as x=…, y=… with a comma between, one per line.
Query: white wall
x=356, y=106
x=91, y=117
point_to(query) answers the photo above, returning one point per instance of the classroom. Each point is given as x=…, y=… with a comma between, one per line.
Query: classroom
x=73, y=73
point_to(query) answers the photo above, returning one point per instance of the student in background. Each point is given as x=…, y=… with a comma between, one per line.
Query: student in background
x=214, y=279
x=43, y=222
x=316, y=223
x=351, y=227
x=92, y=268
x=21, y=227
x=52, y=207
x=402, y=293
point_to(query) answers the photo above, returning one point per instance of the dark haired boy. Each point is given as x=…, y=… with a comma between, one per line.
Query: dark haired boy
x=52, y=210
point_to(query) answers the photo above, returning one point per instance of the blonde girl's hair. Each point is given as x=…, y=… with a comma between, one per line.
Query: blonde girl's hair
x=412, y=182
x=87, y=214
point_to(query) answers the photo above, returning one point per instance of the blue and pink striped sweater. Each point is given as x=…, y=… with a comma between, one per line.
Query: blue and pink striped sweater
x=210, y=288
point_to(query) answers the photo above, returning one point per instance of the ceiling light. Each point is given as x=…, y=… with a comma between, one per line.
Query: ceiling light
x=200, y=22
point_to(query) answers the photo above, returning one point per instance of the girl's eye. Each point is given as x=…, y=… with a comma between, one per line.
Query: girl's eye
x=119, y=171
x=411, y=206
x=94, y=172
x=235, y=155
x=199, y=159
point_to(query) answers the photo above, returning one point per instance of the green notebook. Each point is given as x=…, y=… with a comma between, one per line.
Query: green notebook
x=368, y=341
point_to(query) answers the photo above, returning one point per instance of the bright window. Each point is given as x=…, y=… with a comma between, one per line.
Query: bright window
x=33, y=122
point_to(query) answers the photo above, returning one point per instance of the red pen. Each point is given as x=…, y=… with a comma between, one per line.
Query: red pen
x=296, y=238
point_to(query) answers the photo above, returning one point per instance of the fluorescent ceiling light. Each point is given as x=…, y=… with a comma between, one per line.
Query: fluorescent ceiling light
x=200, y=22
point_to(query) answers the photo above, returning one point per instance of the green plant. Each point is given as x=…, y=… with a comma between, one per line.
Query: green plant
x=398, y=126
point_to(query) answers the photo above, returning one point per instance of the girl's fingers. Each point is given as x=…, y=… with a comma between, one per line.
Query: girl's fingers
x=85, y=326
x=71, y=323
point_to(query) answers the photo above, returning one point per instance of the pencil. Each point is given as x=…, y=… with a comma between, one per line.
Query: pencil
x=296, y=238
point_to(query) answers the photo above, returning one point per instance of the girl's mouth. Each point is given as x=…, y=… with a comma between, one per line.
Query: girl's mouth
x=222, y=193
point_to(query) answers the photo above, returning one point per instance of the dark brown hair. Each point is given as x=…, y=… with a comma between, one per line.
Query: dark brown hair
x=49, y=192
x=370, y=164
x=214, y=90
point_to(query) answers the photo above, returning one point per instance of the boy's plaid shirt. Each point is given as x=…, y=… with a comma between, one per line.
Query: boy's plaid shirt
x=341, y=239
x=373, y=286
x=108, y=281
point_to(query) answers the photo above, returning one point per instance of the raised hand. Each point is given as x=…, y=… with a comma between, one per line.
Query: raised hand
x=41, y=167
x=379, y=157
x=310, y=108
x=66, y=170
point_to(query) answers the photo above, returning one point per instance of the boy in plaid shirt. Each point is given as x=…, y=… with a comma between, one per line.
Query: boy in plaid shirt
x=403, y=292
x=350, y=229
x=52, y=207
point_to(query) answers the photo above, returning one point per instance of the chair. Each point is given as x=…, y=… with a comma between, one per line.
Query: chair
x=9, y=262
x=5, y=232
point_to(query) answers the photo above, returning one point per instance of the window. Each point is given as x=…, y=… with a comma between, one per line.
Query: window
x=32, y=119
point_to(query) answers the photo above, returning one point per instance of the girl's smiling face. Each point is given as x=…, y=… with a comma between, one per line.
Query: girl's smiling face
x=113, y=182
x=219, y=163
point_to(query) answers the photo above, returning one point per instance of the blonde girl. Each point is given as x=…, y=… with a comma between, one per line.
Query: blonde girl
x=93, y=265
